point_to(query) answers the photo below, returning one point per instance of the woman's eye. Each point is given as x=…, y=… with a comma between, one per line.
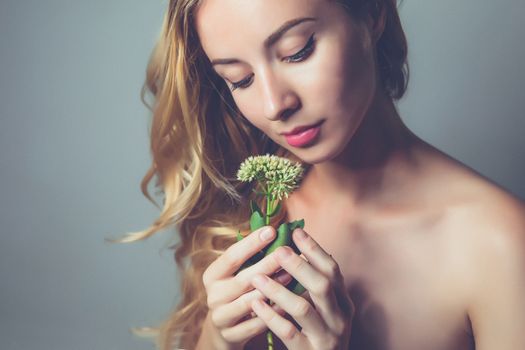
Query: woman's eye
x=241, y=84
x=304, y=53
x=298, y=57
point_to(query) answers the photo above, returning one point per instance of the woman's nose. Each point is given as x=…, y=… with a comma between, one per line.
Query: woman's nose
x=278, y=97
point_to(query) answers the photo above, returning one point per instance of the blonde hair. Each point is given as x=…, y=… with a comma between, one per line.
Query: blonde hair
x=198, y=139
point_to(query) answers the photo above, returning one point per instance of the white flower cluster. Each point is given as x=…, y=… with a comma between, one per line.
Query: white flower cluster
x=279, y=175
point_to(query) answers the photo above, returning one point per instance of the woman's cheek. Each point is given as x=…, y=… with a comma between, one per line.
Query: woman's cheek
x=248, y=110
x=326, y=82
x=252, y=113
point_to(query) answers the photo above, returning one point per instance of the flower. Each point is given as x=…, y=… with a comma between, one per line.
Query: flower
x=278, y=175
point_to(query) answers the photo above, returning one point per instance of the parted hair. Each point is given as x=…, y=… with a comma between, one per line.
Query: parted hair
x=198, y=138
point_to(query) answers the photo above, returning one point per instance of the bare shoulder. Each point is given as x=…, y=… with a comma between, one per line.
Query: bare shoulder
x=486, y=226
x=479, y=211
x=473, y=203
x=485, y=212
x=491, y=229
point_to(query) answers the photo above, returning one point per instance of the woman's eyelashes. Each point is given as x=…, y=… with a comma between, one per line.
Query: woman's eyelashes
x=304, y=53
x=300, y=56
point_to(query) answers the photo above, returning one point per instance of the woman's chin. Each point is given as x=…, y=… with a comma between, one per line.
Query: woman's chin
x=315, y=155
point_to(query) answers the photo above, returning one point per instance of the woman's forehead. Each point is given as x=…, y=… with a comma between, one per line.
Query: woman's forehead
x=225, y=25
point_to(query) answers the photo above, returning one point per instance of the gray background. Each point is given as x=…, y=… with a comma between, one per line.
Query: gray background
x=74, y=147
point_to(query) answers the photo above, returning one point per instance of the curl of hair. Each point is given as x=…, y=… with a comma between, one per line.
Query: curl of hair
x=198, y=138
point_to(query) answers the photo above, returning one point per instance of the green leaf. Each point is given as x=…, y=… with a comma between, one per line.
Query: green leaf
x=283, y=238
x=295, y=224
x=275, y=210
x=256, y=221
x=255, y=208
x=296, y=287
x=239, y=236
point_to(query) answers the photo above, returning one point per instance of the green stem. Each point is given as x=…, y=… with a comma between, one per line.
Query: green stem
x=269, y=337
x=268, y=207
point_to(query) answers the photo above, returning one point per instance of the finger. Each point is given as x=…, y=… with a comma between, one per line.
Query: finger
x=244, y=331
x=319, y=258
x=301, y=310
x=342, y=304
x=247, y=329
x=276, y=307
x=319, y=286
x=315, y=254
x=283, y=277
x=232, y=259
x=282, y=328
x=267, y=266
x=226, y=315
x=227, y=290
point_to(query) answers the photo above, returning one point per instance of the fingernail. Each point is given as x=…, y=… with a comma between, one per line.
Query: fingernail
x=266, y=234
x=284, y=252
x=259, y=280
x=300, y=234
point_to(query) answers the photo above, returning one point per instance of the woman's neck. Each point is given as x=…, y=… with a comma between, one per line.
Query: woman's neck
x=374, y=161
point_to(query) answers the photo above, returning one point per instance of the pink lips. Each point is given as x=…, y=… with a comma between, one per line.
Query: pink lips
x=303, y=137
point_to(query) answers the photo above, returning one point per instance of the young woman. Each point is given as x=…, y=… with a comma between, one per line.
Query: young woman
x=403, y=247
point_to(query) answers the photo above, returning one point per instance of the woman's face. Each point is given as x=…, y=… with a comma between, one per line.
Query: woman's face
x=318, y=71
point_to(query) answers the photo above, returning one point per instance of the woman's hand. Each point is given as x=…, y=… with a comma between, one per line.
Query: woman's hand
x=229, y=296
x=324, y=325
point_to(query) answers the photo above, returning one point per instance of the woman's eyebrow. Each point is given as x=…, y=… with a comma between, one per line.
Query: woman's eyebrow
x=268, y=42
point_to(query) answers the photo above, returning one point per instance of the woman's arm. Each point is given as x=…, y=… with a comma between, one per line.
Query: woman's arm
x=497, y=309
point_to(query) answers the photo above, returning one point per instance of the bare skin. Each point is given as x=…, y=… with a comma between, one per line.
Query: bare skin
x=432, y=254
x=407, y=257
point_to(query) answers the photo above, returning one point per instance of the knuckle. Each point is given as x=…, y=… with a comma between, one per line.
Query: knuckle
x=213, y=299
x=254, y=326
x=303, y=309
x=214, y=318
x=228, y=259
x=242, y=277
x=299, y=265
x=270, y=318
x=310, y=245
x=331, y=343
x=333, y=268
x=210, y=300
x=270, y=263
x=227, y=335
x=322, y=287
x=339, y=328
x=289, y=332
x=243, y=282
x=247, y=298
x=205, y=278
